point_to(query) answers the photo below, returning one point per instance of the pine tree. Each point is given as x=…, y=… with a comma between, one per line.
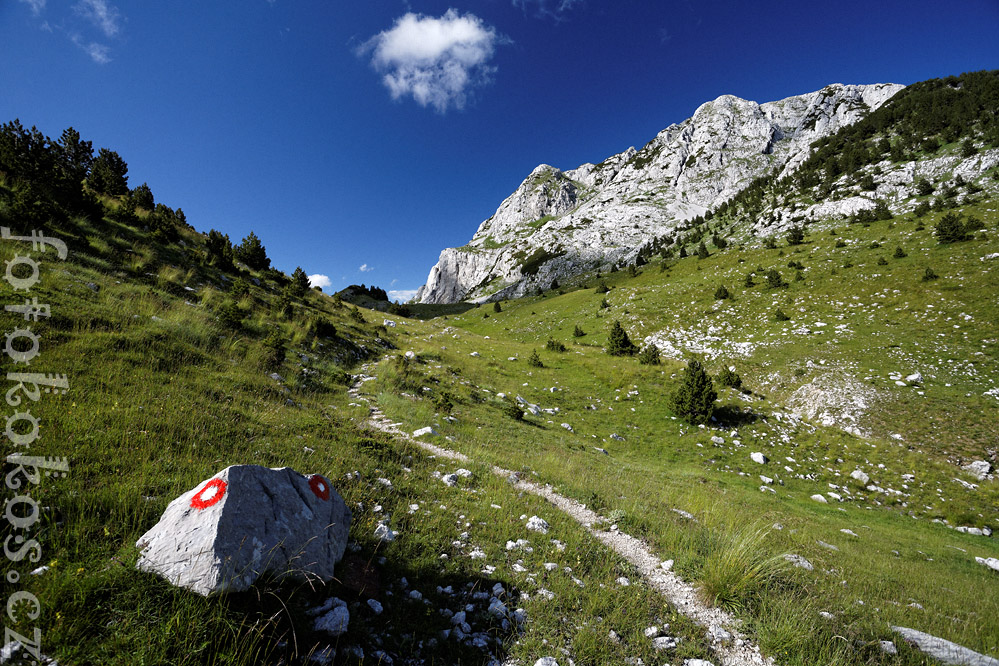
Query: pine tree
x=722, y=293
x=577, y=332
x=618, y=342
x=252, y=253
x=795, y=236
x=497, y=307
x=694, y=399
x=299, y=282
x=534, y=360
x=702, y=251
x=109, y=173
x=950, y=229
x=649, y=355
x=219, y=249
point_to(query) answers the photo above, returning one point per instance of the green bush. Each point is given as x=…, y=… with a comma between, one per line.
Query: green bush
x=577, y=332
x=554, y=345
x=749, y=281
x=728, y=377
x=694, y=399
x=321, y=327
x=444, y=402
x=274, y=352
x=230, y=315
x=795, y=236
x=534, y=360
x=497, y=307
x=602, y=288
x=512, y=409
x=780, y=316
x=950, y=229
x=649, y=355
x=721, y=293
x=929, y=275
x=618, y=342
x=774, y=279
x=899, y=253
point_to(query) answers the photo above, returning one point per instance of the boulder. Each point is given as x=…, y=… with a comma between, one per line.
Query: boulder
x=990, y=562
x=863, y=477
x=944, y=650
x=246, y=521
x=758, y=457
x=980, y=468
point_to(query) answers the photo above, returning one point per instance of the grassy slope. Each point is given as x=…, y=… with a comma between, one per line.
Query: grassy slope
x=163, y=397
x=894, y=323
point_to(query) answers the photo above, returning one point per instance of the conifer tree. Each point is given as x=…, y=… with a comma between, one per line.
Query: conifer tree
x=618, y=343
x=694, y=399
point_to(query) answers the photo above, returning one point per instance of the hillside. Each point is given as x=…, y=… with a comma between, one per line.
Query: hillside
x=822, y=155
x=862, y=379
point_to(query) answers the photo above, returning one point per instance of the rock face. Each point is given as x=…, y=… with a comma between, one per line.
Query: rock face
x=245, y=521
x=557, y=224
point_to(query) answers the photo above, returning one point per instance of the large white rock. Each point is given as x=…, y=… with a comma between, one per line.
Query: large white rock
x=861, y=476
x=944, y=650
x=245, y=521
x=980, y=468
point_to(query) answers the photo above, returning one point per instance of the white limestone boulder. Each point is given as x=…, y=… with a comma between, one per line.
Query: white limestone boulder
x=246, y=521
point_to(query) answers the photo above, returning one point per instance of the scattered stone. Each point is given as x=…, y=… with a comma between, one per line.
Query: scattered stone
x=766, y=479
x=979, y=468
x=888, y=648
x=665, y=642
x=651, y=632
x=384, y=533
x=450, y=479
x=718, y=634
x=820, y=499
x=759, y=457
x=947, y=652
x=799, y=561
x=276, y=377
x=425, y=431
x=990, y=562
x=717, y=440
x=850, y=532
x=375, y=606
x=616, y=437
x=697, y=662
x=546, y=661
x=915, y=378
x=863, y=477
x=827, y=545
x=825, y=615
x=667, y=565
x=246, y=520
x=335, y=621
x=536, y=524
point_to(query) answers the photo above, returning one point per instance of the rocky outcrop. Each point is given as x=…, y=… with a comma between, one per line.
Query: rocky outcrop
x=245, y=521
x=561, y=223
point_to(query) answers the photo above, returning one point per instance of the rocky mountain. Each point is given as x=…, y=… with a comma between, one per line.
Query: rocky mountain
x=560, y=223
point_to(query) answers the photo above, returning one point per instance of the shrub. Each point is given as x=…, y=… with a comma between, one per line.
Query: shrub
x=252, y=253
x=230, y=315
x=497, y=307
x=321, y=327
x=649, y=355
x=899, y=253
x=512, y=409
x=534, y=360
x=730, y=378
x=356, y=315
x=749, y=281
x=921, y=209
x=738, y=570
x=770, y=243
x=840, y=243
x=577, y=332
x=929, y=275
x=554, y=345
x=604, y=304
x=274, y=352
x=795, y=236
x=923, y=187
x=968, y=149
x=694, y=399
x=444, y=402
x=774, y=279
x=702, y=251
x=299, y=282
x=618, y=342
x=721, y=293
x=950, y=229
x=602, y=288
x=780, y=316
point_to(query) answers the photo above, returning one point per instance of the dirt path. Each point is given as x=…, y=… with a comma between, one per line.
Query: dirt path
x=739, y=651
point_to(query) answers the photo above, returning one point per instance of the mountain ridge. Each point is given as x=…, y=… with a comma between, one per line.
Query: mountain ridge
x=684, y=172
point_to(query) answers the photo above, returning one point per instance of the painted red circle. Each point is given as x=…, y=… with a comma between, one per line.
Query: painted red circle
x=320, y=486
x=199, y=503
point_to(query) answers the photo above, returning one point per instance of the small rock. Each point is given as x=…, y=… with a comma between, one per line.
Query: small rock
x=536, y=524
x=888, y=647
x=697, y=662
x=450, y=479
x=990, y=562
x=334, y=622
x=546, y=661
x=944, y=650
x=863, y=477
x=820, y=499
x=799, y=561
x=664, y=643
x=758, y=457
x=375, y=606
x=718, y=634
x=425, y=431
x=979, y=468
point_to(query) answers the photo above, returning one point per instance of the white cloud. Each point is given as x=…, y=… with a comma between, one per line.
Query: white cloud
x=319, y=280
x=401, y=295
x=552, y=8
x=103, y=15
x=438, y=61
x=99, y=53
x=366, y=269
x=36, y=6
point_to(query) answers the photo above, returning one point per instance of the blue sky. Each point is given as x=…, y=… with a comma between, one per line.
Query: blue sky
x=358, y=140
